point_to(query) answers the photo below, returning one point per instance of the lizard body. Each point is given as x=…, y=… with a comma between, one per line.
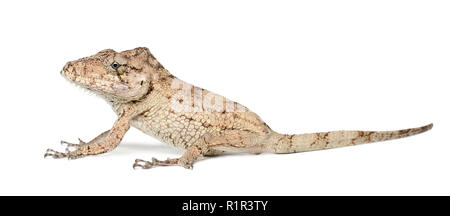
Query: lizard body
x=146, y=96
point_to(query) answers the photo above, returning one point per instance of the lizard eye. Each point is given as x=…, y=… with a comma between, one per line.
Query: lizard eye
x=115, y=65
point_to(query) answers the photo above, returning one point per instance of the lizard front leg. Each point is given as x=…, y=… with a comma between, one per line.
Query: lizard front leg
x=105, y=142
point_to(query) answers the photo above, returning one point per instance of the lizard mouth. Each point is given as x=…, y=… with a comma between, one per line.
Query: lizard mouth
x=70, y=75
x=95, y=85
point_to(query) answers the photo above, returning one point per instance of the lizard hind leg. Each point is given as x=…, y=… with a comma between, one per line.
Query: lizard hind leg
x=208, y=145
x=192, y=154
x=195, y=152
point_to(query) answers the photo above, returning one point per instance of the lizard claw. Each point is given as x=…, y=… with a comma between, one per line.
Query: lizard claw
x=55, y=154
x=81, y=141
x=69, y=145
x=143, y=164
x=187, y=166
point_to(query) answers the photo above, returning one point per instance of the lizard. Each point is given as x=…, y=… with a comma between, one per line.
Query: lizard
x=146, y=96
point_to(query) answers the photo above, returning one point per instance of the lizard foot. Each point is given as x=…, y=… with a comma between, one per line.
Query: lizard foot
x=68, y=153
x=155, y=162
x=57, y=155
x=69, y=145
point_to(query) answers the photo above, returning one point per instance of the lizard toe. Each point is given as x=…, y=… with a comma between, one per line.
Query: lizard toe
x=54, y=154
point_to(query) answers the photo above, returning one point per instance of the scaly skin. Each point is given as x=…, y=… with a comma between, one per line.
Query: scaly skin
x=146, y=96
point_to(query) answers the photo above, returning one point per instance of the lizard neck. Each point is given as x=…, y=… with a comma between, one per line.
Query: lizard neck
x=158, y=92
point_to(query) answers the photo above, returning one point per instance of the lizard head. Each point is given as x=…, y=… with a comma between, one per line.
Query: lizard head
x=123, y=76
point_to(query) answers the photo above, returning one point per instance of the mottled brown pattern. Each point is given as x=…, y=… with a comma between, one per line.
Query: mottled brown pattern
x=143, y=94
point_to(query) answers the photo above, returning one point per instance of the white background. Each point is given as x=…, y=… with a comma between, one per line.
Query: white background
x=303, y=66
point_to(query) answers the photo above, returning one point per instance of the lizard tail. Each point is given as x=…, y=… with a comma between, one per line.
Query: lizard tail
x=325, y=140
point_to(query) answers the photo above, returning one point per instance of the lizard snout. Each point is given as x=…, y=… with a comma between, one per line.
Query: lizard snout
x=68, y=68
